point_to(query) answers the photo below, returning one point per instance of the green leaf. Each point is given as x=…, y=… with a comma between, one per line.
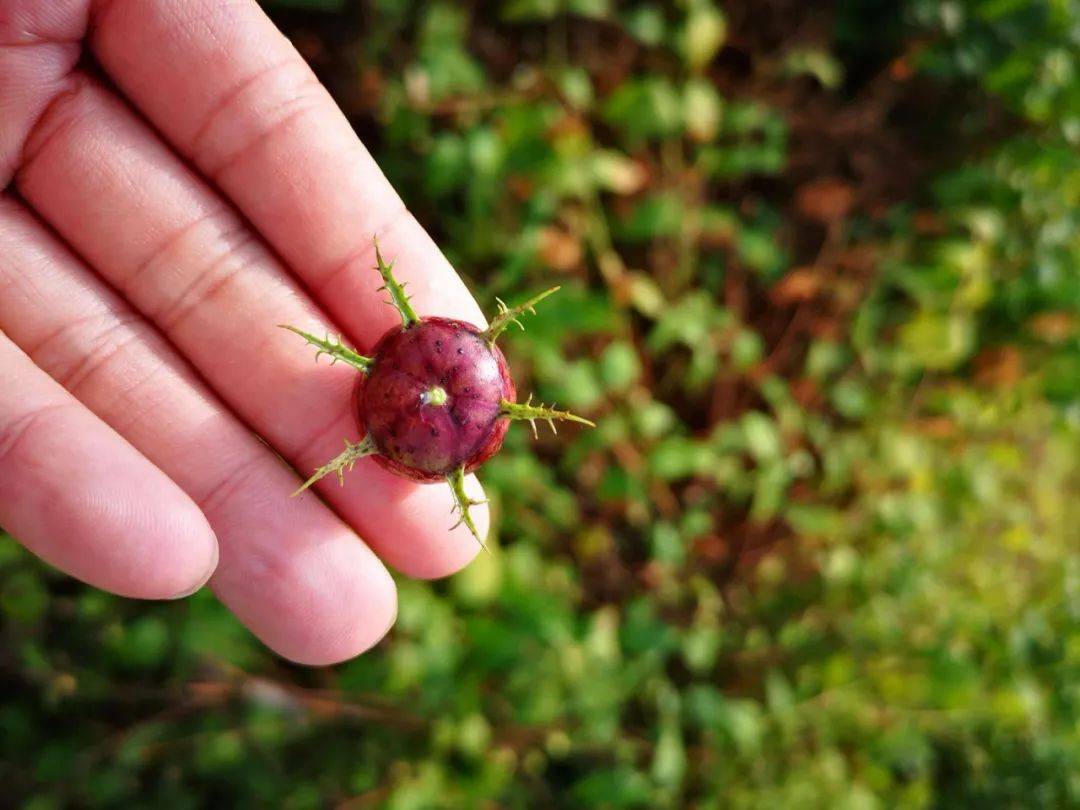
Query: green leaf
x=620, y=366
x=615, y=787
x=644, y=109
x=938, y=342
x=703, y=109
x=646, y=23
x=703, y=33
x=762, y=436
x=23, y=597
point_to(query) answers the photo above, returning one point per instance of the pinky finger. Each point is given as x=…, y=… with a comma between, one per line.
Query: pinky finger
x=80, y=497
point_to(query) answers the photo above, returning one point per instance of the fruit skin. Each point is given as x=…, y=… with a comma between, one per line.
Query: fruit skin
x=427, y=441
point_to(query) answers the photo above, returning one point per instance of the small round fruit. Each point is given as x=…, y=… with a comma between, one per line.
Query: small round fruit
x=431, y=401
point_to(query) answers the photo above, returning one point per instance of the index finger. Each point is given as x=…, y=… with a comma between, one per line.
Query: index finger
x=233, y=95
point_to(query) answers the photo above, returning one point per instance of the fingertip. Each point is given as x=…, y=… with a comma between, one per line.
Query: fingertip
x=83, y=499
x=355, y=620
x=208, y=571
x=172, y=551
x=316, y=598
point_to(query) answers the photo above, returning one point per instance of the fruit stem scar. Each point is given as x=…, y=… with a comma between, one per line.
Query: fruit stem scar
x=334, y=348
x=398, y=299
x=344, y=461
x=530, y=413
x=436, y=395
x=462, y=502
x=508, y=315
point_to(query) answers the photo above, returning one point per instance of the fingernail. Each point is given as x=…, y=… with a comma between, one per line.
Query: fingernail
x=214, y=557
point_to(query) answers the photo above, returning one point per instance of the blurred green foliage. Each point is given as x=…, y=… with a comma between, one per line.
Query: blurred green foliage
x=821, y=274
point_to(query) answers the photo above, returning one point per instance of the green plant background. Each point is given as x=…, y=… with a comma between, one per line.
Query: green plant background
x=821, y=273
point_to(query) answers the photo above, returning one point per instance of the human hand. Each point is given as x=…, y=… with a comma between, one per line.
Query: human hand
x=142, y=272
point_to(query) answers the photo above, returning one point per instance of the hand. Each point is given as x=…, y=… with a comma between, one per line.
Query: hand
x=156, y=225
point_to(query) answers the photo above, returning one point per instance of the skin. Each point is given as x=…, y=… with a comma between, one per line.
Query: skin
x=154, y=226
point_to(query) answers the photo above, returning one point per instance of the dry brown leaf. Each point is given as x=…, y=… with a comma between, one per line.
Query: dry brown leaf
x=806, y=392
x=1053, y=327
x=999, y=367
x=928, y=223
x=521, y=186
x=558, y=249
x=711, y=548
x=938, y=427
x=827, y=200
x=801, y=284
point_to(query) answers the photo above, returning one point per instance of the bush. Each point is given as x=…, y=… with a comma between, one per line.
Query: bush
x=822, y=286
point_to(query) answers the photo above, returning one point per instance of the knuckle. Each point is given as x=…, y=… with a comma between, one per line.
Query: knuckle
x=67, y=109
x=18, y=433
x=270, y=103
x=108, y=345
x=234, y=254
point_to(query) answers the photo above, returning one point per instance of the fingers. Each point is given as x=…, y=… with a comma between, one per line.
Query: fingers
x=185, y=260
x=81, y=498
x=231, y=93
x=39, y=45
x=290, y=569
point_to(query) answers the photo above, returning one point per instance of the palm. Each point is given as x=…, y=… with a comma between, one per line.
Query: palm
x=144, y=273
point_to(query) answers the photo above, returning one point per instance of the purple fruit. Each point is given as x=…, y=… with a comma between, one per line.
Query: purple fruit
x=433, y=398
x=436, y=398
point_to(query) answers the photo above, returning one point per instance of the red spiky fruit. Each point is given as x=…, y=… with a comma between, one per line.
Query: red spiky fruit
x=432, y=399
x=435, y=398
